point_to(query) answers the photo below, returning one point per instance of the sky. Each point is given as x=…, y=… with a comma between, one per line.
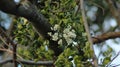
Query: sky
x=108, y=23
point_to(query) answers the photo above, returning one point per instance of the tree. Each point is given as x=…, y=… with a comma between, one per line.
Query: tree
x=64, y=28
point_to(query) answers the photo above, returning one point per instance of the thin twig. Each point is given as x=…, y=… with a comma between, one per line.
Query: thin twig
x=7, y=50
x=113, y=59
x=105, y=36
x=99, y=7
x=14, y=55
x=116, y=65
x=88, y=33
x=114, y=11
x=4, y=35
x=10, y=51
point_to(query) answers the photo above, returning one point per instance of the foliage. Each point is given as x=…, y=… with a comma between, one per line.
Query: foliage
x=70, y=33
x=34, y=46
x=70, y=30
x=65, y=16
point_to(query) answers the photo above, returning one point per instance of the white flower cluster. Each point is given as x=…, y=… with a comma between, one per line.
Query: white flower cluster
x=55, y=35
x=68, y=34
x=56, y=27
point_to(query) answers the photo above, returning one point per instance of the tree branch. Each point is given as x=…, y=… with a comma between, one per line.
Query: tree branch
x=105, y=36
x=31, y=13
x=41, y=24
x=29, y=62
x=95, y=61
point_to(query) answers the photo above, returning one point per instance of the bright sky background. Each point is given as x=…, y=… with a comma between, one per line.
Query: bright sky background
x=108, y=23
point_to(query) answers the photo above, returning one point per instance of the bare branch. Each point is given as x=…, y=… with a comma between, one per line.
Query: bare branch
x=9, y=41
x=29, y=62
x=88, y=33
x=108, y=65
x=6, y=50
x=105, y=36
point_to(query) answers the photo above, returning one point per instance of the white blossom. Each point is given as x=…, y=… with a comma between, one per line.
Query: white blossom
x=71, y=34
x=56, y=27
x=69, y=41
x=55, y=37
x=75, y=43
x=51, y=28
x=68, y=34
x=50, y=33
x=73, y=30
x=65, y=36
x=60, y=41
x=66, y=30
